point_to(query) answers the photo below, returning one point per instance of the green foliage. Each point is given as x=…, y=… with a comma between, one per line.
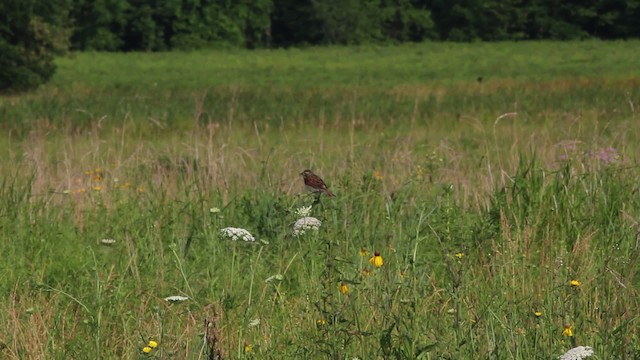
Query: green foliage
x=32, y=32
x=482, y=220
x=411, y=82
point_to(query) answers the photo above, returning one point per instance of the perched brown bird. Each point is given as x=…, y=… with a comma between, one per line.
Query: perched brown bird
x=314, y=183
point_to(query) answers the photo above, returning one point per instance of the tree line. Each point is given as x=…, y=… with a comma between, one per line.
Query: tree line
x=32, y=31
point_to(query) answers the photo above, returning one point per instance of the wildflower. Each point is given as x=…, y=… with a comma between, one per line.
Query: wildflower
x=363, y=251
x=574, y=283
x=153, y=344
x=274, y=277
x=176, y=298
x=568, y=330
x=214, y=210
x=459, y=255
x=321, y=322
x=537, y=313
x=305, y=223
x=304, y=211
x=146, y=349
x=376, y=260
x=237, y=234
x=247, y=347
x=377, y=175
x=344, y=288
x=577, y=353
x=365, y=272
x=108, y=241
x=254, y=322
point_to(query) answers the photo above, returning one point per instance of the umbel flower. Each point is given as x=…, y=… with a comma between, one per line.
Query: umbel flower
x=303, y=211
x=237, y=234
x=176, y=298
x=577, y=353
x=305, y=224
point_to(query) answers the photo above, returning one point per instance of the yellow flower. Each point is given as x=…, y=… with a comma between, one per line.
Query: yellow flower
x=363, y=251
x=146, y=349
x=537, y=313
x=153, y=344
x=344, y=288
x=459, y=255
x=377, y=175
x=97, y=188
x=321, y=322
x=376, y=260
x=247, y=347
x=365, y=272
x=568, y=330
x=574, y=282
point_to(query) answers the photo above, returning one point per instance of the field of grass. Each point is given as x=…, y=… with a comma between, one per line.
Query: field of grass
x=498, y=182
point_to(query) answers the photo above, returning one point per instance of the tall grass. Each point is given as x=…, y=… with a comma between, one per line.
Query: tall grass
x=484, y=202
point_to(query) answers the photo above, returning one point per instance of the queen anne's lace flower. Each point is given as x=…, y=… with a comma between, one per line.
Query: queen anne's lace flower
x=577, y=353
x=237, y=234
x=175, y=298
x=304, y=224
x=304, y=211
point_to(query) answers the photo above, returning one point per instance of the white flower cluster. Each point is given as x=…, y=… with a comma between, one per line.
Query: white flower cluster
x=304, y=211
x=304, y=224
x=175, y=298
x=577, y=353
x=237, y=234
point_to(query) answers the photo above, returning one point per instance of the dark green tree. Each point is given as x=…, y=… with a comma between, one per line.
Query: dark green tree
x=99, y=24
x=348, y=21
x=31, y=33
x=406, y=20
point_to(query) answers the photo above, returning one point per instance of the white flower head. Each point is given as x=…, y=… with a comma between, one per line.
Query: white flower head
x=305, y=224
x=237, y=234
x=175, y=298
x=577, y=353
x=254, y=322
x=304, y=211
x=214, y=210
x=108, y=241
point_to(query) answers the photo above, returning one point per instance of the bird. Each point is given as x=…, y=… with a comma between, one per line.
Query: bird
x=314, y=183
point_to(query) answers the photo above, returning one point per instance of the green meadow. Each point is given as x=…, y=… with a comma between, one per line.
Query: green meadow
x=498, y=182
